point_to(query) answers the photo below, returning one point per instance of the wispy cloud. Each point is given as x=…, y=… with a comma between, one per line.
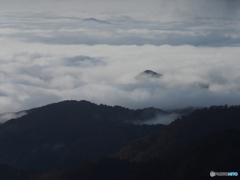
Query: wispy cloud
x=160, y=119
x=7, y=116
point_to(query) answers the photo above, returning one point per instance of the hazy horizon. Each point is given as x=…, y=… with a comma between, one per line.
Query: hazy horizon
x=93, y=50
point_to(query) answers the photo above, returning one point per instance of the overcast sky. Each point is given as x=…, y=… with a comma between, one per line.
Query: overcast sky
x=77, y=49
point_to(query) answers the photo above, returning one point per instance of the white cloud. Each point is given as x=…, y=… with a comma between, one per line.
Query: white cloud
x=160, y=119
x=51, y=54
x=7, y=116
x=191, y=76
x=198, y=23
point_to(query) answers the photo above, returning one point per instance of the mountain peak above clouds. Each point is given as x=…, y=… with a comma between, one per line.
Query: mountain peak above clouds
x=151, y=73
x=96, y=20
x=147, y=75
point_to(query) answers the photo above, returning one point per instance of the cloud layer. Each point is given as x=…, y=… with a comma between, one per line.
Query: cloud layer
x=94, y=51
x=191, y=76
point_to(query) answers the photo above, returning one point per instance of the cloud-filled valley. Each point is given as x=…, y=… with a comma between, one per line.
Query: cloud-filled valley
x=29, y=79
x=85, y=52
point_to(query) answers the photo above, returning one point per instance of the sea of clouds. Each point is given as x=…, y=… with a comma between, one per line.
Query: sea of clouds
x=53, y=51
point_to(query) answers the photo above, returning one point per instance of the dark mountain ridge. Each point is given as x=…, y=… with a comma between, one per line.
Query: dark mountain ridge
x=65, y=133
x=96, y=20
x=217, y=152
x=181, y=132
x=191, y=147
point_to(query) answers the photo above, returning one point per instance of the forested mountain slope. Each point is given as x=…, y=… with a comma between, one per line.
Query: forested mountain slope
x=182, y=131
x=65, y=133
x=218, y=152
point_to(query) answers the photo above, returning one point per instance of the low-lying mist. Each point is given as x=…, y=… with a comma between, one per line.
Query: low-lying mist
x=159, y=119
x=7, y=116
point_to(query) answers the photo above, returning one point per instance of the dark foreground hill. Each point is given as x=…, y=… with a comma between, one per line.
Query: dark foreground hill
x=189, y=148
x=182, y=131
x=62, y=134
x=217, y=152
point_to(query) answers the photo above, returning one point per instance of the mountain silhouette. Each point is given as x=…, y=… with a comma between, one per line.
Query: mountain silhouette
x=147, y=75
x=217, y=152
x=181, y=132
x=151, y=73
x=65, y=133
x=96, y=20
x=191, y=147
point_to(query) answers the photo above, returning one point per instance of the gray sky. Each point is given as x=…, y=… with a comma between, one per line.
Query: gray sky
x=76, y=49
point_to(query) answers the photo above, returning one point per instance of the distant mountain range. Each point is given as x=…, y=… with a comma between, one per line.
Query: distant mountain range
x=73, y=137
x=97, y=21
